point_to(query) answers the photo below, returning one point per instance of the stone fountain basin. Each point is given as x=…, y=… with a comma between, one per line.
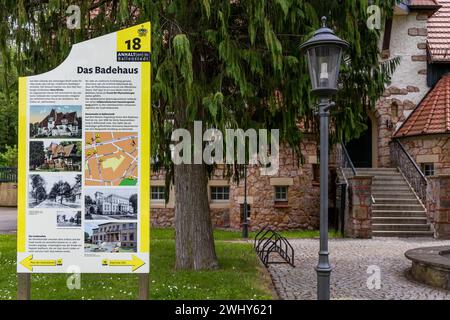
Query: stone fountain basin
x=431, y=266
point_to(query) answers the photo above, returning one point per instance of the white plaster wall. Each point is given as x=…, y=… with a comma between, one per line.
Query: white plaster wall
x=405, y=46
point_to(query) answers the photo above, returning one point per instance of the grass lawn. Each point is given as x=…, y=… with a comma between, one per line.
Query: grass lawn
x=237, y=235
x=240, y=275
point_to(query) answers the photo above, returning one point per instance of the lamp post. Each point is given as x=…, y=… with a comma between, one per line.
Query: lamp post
x=324, y=52
x=245, y=213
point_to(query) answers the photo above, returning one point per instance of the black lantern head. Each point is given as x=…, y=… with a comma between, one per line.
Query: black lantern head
x=324, y=52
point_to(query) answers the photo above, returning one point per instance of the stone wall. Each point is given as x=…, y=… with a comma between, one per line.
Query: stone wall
x=8, y=194
x=408, y=85
x=438, y=205
x=300, y=212
x=430, y=149
x=359, y=220
x=302, y=209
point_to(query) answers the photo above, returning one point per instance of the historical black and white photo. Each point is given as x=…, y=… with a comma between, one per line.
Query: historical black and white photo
x=54, y=190
x=68, y=218
x=111, y=204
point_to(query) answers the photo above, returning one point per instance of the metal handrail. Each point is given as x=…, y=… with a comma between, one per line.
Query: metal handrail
x=411, y=160
x=403, y=160
x=347, y=159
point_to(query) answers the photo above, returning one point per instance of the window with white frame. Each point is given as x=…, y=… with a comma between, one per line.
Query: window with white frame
x=158, y=193
x=281, y=193
x=427, y=169
x=220, y=193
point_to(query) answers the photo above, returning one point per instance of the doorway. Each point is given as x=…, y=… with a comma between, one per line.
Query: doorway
x=362, y=151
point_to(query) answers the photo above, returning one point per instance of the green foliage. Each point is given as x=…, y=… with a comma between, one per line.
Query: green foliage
x=8, y=118
x=237, y=64
x=228, y=63
x=34, y=38
x=9, y=157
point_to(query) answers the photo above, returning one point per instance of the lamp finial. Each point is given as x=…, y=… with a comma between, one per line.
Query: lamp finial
x=324, y=22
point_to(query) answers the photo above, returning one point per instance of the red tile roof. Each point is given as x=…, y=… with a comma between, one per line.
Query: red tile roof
x=58, y=117
x=439, y=33
x=432, y=115
x=423, y=3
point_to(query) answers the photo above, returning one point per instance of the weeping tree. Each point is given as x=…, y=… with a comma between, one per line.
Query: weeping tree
x=229, y=64
x=236, y=64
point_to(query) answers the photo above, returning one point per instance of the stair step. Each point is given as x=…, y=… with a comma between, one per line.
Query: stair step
x=374, y=173
x=408, y=194
x=399, y=220
x=400, y=227
x=403, y=200
x=390, y=183
x=388, y=179
x=391, y=190
x=376, y=169
x=398, y=213
x=392, y=206
x=402, y=233
x=410, y=200
x=390, y=186
x=380, y=174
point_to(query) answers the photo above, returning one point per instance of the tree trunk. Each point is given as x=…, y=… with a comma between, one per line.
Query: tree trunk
x=193, y=229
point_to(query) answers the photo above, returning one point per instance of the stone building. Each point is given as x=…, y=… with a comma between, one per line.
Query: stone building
x=398, y=186
x=125, y=233
x=63, y=157
x=289, y=200
x=112, y=204
x=409, y=134
x=58, y=124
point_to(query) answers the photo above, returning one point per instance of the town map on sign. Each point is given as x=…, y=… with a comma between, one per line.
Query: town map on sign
x=111, y=158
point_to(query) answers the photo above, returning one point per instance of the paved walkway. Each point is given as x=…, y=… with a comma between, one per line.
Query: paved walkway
x=350, y=260
x=8, y=220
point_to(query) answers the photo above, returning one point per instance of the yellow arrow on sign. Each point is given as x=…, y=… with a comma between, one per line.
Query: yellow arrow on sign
x=29, y=263
x=135, y=262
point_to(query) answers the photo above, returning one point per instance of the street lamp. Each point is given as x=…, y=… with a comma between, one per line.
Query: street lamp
x=324, y=52
x=245, y=213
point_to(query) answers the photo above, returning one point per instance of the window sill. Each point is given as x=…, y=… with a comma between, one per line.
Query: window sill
x=219, y=204
x=281, y=204
x=161, y=205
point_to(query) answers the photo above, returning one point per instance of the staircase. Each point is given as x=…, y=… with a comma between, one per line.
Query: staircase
x=396, y=211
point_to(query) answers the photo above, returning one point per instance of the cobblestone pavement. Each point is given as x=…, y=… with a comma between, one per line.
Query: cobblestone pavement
x=350, y=260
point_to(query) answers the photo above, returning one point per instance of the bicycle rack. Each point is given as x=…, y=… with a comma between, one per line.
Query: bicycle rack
x=268, y=241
